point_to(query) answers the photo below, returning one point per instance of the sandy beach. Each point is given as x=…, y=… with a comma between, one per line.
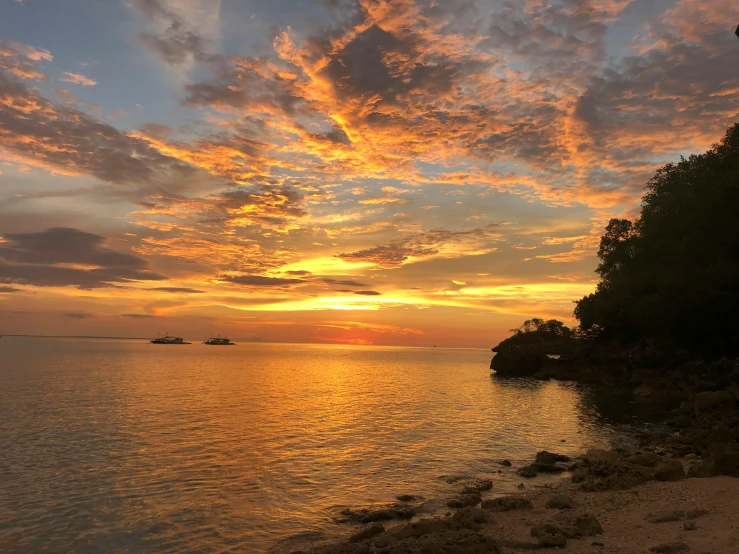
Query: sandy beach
x=630, y=518
x=610, y=503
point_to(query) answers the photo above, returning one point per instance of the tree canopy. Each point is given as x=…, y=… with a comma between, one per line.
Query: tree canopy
x=551, y=336
x=672, y=276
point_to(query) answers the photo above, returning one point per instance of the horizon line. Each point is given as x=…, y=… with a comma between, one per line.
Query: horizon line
x=240, y=339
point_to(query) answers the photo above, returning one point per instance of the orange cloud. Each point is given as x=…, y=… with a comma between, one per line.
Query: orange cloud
x=77, y=79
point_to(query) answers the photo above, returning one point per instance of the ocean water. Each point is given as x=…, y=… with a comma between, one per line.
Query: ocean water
x=123, y=446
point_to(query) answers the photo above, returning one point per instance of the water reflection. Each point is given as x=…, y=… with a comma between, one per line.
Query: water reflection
x=125, y=446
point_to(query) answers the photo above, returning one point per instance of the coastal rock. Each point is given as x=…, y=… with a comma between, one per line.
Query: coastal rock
x=464, y=500
x=405, y=498
x=706, y=402
x=549, y=536
x=606, y=470
x=367, y=533
x=371, y=515
x=719, y=459
x=507, y=503
x=448, y=535
x=506, y=463
x=669, y=469
x=470, y=517
x=424, y=527
x=578, y=525
x=550, y=458
x=521, y=360
x=645, y=460
x=478, y=486
x=561, y=502
x=546, y=462
x=527, y=472
x=689, y=526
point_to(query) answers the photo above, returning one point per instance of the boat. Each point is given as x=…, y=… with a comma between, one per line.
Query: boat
x=218, y=341
x=166, y=339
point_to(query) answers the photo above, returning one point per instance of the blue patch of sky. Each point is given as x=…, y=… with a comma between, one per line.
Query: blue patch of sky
x=99, y=39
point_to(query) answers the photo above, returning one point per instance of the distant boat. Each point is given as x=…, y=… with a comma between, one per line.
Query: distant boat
x=218, y=341
x=166, y=339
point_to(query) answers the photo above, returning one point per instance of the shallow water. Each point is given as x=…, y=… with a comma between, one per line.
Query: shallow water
x=123, y=446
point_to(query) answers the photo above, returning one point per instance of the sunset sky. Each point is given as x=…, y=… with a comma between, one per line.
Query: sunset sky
x=363, y=172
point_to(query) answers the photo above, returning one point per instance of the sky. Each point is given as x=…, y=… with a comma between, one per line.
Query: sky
x=391, y=172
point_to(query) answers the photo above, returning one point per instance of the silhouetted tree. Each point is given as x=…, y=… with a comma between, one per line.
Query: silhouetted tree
x=551, y=336
x=672, y=276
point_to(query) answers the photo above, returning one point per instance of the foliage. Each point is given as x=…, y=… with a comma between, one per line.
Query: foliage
x=551, y=336
x=672, y=276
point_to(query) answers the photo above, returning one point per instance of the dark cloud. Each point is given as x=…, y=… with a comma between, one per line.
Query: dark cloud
x=138, y=316
x=182, y=290
x=368, y=292
x=179, y=43
x=265, y=205
x=9, y=290
x=553, y=36
x=78, y=315
x=64, y=139
x=335, y=136
x=385, y=67
x=346, y=283
x=259, y=280
x=248, y=83
x=422, y=245
x=64, y=245
x=640, y=97
x=299, y=272
x=530, y=139
x=44, y=259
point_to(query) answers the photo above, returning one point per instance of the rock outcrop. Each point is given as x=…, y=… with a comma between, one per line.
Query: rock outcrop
x=520, y=360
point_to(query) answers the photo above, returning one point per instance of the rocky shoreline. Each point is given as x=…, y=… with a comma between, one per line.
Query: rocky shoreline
x=614, y=502
x=676, y=491
x=705, y=420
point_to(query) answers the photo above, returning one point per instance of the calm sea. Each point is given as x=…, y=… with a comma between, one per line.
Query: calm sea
x=123, y=446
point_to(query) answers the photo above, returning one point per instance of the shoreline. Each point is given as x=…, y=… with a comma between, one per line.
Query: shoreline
x=668, y=515
x=675, y=491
